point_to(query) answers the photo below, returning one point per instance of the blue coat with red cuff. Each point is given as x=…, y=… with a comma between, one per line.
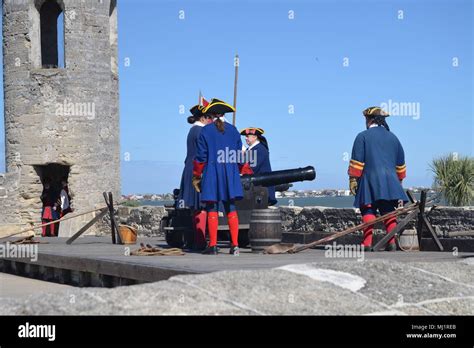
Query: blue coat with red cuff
x=378, y=161
x=187, y=193
x=219, y=159
x=261, y=156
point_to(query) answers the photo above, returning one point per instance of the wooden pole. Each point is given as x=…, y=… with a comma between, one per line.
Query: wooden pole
x=111, y=214
x=115, y=224
x=336, y=235
x=236, y=77
x=76, y=235
x=37, y=226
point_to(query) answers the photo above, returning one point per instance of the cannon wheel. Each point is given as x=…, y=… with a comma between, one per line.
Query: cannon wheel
x=174, y=239
x=164, y=223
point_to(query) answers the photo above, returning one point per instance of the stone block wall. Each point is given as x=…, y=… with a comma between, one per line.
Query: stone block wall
x=63, y=116
x=443, y=219
x=8, y=188
x=308, y=219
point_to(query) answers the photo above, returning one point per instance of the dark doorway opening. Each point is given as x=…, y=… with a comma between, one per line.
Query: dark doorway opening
x=52, y=177
x=53, y=174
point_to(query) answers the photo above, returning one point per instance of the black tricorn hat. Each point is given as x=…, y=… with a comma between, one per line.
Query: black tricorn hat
x=375, y=111
x=252, y=131
x=196, y=112
x=217, y=106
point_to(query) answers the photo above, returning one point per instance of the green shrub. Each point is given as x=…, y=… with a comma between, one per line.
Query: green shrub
x=131, y=203
x=454, y=178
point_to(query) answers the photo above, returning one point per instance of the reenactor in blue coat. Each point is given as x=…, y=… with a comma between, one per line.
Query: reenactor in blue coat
x=376, y=170
x=216, y=173
x=258, y=156
x=188, y=196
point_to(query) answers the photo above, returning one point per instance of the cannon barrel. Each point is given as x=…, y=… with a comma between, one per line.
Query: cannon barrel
x=279, y=177
x=283, y=187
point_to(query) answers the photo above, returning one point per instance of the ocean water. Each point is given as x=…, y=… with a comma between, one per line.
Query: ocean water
x=327, y=201
x=335, y=202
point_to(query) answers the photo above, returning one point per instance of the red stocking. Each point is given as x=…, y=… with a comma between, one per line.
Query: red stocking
x=368, y=231
x=233, y=220
x=212, y=224
x=390, y=224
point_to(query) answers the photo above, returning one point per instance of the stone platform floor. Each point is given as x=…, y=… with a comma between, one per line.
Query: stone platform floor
x=372, y=287
x=99, y=255
x=308, y=283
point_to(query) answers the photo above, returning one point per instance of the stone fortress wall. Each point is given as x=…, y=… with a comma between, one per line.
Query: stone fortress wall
x=60, y=121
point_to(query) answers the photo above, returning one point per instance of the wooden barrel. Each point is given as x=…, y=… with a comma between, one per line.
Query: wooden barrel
x=264, y=229
x=409, y=240
x=128, y=234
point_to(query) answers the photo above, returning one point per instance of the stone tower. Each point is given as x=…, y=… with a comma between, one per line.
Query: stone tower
x=61, y=103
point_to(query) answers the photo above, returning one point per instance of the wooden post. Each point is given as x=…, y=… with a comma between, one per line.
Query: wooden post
x=397, y=230
x=111, y=215
x=236, y=78
x=420, y=224
x=411, y=197
x=423, y=222
x=87, y=226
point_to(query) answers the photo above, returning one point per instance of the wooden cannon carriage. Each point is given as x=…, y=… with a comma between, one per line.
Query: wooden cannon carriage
x=177, y=226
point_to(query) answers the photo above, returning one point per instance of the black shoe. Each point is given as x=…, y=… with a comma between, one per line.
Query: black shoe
x=234, y=250
x=391, y=247
x=210, y=251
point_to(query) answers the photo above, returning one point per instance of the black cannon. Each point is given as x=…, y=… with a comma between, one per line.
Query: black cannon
x=279, y=177
x=177, y=225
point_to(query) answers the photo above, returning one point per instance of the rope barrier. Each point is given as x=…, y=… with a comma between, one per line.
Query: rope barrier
x=35, y=226
x=149, y=250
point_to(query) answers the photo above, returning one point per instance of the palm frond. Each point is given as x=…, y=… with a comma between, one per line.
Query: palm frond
x=454, y=178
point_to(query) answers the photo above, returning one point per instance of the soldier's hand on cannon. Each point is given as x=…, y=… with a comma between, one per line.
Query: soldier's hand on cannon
x=197, y=183
x=353, y=185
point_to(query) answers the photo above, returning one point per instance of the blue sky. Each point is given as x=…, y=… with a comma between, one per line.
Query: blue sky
x=294, y=62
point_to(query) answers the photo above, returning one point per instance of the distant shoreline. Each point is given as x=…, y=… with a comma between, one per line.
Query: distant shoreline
x=325, y=201
x=332, y=201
